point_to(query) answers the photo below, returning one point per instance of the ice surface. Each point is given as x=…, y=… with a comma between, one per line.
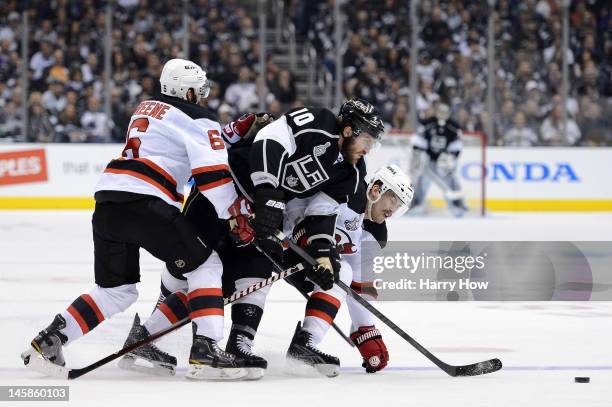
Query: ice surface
x=46, y=261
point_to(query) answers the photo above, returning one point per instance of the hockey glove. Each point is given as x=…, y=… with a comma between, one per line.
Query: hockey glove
x=247, y=125
x=327, y=270
x=241, y=230
x=269, y=208
x=446, y=164
x=372, y=348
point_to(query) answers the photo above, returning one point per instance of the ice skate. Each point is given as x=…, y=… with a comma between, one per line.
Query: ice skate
x=303, y=350
x=148, y=359
x=240, y=345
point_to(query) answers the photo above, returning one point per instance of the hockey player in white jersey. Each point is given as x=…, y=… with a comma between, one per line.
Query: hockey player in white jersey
x=138, y=199
x=361, y=219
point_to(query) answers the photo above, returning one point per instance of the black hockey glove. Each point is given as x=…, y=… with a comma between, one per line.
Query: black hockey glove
x=269, y=208
x=326, y=273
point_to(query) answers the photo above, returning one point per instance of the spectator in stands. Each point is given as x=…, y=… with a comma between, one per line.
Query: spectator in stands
x=40, y=127
x=400, y=119
x=95, y=123
x=225, y=114
x=57, y=71
x=590, y=120
x=40, y=61
x=552, y=130
x=54, y=99
x=435, y=31
x=10, y=121
x=275, y=108
x=283, y=88
x=68, y=128
x=519, y=135
x=242, y=95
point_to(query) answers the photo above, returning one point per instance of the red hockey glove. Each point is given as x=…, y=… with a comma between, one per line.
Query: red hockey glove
x=372, y=348
x=247, y=125
x=240, y=212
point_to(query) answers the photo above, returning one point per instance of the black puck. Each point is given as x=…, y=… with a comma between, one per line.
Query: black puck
x=582, y=379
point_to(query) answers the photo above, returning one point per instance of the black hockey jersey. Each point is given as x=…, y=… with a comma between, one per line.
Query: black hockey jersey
x=298, y=154
x=435, y=138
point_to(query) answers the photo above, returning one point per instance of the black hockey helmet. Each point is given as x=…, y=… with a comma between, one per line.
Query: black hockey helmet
x=361, y=116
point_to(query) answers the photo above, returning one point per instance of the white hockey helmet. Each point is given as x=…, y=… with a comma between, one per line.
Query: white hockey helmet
x=180, y=75
x=391, y=177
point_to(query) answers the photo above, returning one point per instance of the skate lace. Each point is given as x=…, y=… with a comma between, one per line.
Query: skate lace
x=220, y=351
x=310, y=344
x=244, y=344
x=159, y=351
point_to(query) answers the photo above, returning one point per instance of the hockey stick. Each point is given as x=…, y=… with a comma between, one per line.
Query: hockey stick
x=475, y=369
x=38, y=363
x=279, y=269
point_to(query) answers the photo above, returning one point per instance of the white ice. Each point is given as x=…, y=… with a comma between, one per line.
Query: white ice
x=46, y=260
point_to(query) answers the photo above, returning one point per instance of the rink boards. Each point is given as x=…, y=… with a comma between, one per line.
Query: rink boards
x=63, y=176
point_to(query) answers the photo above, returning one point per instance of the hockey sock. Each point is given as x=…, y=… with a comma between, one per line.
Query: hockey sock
x=169, y=284
x=321, y=309
x=170, y=311
x=247, y=312
x=89, y=310
x=205, y=298
x=245, y=320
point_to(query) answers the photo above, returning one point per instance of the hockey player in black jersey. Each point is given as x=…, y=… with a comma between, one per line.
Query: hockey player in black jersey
x=436, y=148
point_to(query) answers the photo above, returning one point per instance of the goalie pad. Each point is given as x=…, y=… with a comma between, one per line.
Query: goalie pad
x=418, y=161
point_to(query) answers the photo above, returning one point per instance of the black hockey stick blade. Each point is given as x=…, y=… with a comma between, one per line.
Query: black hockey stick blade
x=476, y=369
x=485, y=367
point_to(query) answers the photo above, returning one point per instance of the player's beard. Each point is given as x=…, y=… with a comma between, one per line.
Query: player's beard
x=349, y=152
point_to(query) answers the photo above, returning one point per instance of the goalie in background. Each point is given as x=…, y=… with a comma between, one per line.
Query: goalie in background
x=435, y=150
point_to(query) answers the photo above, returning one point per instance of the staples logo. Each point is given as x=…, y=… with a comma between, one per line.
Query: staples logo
x=521, y=172
x=17, y=167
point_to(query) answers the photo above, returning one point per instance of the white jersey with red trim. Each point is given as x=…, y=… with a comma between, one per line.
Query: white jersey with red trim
x=359, y=241
x=168, y=141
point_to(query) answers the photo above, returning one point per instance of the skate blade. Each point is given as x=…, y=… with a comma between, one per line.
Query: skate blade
x=254, y=373
x=141, y=365
x=204, y=372
x=35, y=361
x=296, y=367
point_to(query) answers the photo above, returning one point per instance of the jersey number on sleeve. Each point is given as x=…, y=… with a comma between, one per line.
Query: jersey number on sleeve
x=133, y=143
x=216, y=142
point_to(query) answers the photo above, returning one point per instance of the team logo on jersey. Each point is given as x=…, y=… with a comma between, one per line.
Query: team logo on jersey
x=352, y=224
x=180, y=263
x=437, y=143
x=307, y=170
x=344, y=242
x=292, y=181
x=320, y=150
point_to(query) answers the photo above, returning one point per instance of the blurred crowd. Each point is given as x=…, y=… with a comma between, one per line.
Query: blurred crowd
x=66, y=73
x=452, y=64
x=66, y=63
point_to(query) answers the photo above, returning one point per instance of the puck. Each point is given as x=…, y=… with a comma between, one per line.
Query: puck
x=582, y=379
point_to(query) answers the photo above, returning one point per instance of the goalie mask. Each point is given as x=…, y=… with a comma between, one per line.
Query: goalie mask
x=180, y=75
x=442, y=114
x=389, y=179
